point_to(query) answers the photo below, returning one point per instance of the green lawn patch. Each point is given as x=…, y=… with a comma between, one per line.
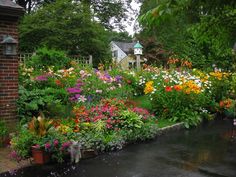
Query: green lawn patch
x=164, y=123
x=143, y=102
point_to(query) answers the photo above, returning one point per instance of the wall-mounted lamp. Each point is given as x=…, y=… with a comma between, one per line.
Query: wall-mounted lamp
x=9, y=45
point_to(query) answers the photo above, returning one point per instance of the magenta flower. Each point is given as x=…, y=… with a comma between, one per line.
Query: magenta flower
x=55, y=143
x=15, y=156
x=73, y=90
x=65, y=145
x=43, y=77
x=47, y=146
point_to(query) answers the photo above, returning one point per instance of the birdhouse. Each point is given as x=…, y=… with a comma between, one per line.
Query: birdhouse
x=9, y=45
x=138, y=49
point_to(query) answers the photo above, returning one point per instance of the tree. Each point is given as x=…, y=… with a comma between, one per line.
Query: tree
x=107, y=12
x=64, y=25
x=201, y=31
x=119, y=36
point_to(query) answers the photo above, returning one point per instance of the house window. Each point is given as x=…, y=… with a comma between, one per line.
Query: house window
x=132, y=65
x=115, y=54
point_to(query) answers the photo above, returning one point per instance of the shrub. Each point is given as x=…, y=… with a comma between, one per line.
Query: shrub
x=45, y=58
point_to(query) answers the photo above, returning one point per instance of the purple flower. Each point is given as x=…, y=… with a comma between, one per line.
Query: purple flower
x=107, y=75
x=118, y=78
x=89, y=98
x=41, y=78
x=73, y=90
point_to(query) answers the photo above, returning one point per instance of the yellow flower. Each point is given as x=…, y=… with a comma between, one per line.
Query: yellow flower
x=148, y=87
x=219, y=75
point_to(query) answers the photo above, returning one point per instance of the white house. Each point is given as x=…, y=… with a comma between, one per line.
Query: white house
x=120, y=52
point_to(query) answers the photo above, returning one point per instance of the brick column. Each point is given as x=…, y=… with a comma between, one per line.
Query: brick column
x=9, y=15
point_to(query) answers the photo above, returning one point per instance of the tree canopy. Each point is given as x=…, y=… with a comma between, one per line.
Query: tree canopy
x=108, y=12
x=201, y=31
x=64, y=25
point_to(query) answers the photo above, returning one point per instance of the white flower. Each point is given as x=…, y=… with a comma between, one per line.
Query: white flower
x=98, y=91
x=82, y=72
x=82, y=99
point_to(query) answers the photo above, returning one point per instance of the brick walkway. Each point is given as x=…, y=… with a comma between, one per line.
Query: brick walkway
x=7, y=164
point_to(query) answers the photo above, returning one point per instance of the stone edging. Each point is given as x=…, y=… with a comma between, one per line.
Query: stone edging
x=176, y=126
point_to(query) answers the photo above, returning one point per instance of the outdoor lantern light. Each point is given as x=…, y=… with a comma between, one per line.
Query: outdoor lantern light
x=9, y=45
x=138, y=50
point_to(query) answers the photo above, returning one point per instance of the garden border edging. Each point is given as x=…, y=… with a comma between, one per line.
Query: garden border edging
x=176, y=126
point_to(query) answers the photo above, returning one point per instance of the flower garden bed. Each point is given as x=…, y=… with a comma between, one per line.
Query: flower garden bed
x=103, y=110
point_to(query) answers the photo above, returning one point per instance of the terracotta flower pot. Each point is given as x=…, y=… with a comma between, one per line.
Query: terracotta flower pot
x=40, y=156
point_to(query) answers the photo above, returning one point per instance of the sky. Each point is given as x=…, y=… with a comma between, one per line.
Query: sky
x=130, y=28
x=132, y=20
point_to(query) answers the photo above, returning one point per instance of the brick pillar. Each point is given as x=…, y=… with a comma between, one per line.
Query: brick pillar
x=9, y=15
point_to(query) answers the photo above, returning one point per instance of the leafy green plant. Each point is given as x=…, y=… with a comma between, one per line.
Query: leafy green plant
x=31, y=102
x=22, y=142
x=3, y=129
x=45, y=58
x=40, y=125
x=131, y=120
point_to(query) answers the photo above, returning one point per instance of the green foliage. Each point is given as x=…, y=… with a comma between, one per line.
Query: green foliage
x=188, y=116
x=131, y=120
x=3, y=128
x=198, y=30
x=143, y=102
x=119, y=36
x=31, y=102
x=22, y=142
x=164, y=123
x=39, y=126
x=47, y=58
x=64, y=25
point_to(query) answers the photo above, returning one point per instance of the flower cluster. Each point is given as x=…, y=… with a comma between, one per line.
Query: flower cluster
x=225, y=103
x=106, y=78
x=148, y=87
x=219, y=75
x=107, y=112
x=191, y=87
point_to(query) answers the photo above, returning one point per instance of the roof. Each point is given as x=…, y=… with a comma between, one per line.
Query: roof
x=9, y=3
x=138, y=46
x=7, y=7
x=125, y=46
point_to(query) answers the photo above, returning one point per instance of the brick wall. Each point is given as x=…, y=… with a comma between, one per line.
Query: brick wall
x=8, y=73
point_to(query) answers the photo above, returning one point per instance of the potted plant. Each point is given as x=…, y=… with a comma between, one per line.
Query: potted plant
x=39, y=155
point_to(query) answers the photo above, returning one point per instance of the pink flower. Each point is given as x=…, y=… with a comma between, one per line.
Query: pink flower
x=55, y=143
x=47, y=146
x=37, y=146
x=82, y=98
x=82, y=72
x=65, y=145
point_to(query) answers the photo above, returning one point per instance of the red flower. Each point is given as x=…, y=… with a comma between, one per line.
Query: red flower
x=177, y=87
x=168, y=89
